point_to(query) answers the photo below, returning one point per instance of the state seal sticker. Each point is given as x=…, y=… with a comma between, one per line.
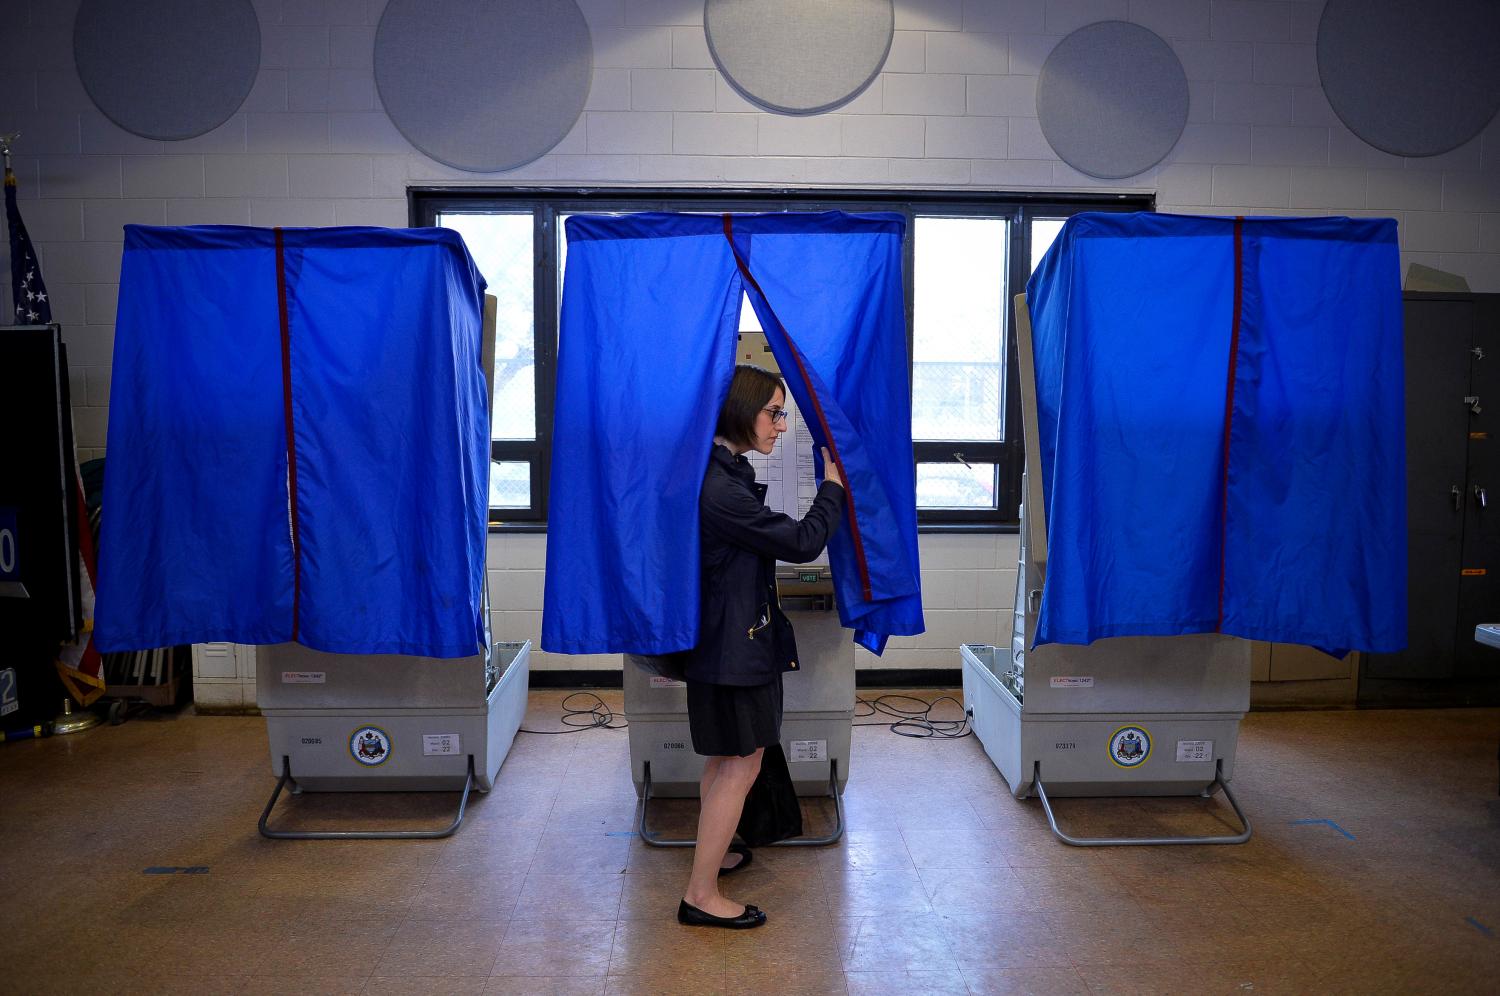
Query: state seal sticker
x=1130, y=746
x=370, y=745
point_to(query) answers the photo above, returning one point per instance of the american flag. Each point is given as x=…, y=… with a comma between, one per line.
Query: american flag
x=27, y=290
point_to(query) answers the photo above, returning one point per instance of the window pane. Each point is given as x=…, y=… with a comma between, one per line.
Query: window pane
x=510, y=484
x=958, y=354
x=952, y=485
x=501, y=247
x=749, y=320
x=1043, y=234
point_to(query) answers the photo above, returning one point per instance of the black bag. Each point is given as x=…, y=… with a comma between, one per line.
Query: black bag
x=771, y=812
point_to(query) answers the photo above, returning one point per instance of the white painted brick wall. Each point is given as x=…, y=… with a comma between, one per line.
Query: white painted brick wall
x=714, y=134
x=1003, y=96
x=1252, y=103
x=1064, y=16
x=1288, y=145
x=883, y=135
x=967, y=137
x=616, y=132
x=1250, y=20
x=924, y=93
x=929, y=15
x=784, y=135
x=948, y=52
x=954, y=106
x=671, y=90
x=690, y=49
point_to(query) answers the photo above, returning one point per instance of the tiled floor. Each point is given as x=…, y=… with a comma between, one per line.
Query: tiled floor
x=943, y=884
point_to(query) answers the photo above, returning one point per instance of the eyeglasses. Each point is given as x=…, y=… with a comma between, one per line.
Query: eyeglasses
x=777, y=414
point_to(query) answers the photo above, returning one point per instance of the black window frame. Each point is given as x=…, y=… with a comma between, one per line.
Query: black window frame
x=546, y=204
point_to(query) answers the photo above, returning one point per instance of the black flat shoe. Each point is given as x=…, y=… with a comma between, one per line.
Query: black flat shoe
x=745, y=857
x=692, y=916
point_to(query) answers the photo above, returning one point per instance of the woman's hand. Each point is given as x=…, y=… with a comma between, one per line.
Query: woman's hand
x=831, y=469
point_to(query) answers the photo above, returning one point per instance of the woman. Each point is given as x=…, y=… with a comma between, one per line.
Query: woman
x=744, y=642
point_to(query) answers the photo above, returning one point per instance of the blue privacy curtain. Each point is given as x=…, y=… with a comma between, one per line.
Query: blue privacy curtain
x=1221, y=410
x=646, y=351
x=298, y=442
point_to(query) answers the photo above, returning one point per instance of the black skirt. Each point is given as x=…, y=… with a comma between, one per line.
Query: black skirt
x=733, y=720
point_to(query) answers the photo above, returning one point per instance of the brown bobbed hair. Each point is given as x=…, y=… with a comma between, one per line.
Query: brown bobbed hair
x=751, y=390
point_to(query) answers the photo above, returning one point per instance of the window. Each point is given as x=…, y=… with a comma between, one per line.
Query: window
x=965, y=259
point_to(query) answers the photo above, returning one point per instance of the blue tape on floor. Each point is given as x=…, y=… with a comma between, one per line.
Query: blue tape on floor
x=1340, y=829
x=620, y=833
x=1487, y=932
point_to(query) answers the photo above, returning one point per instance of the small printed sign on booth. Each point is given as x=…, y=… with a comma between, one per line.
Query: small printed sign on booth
x=441, y=743
x=1195, y=750
x=808, y=750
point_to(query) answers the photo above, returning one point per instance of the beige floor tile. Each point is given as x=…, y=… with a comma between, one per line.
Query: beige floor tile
x=1029, y=981
x=654, y=896
x=868, y=891
x=1059, y=887
x=867, y=849
x=903, y=983
x=441, y=949
x=698, y=984
x=571, y=852
x=669, y=950
x=532, y=947
x=582, y=896
x=456, y=892
x=786, y=945
x=792, y=982
x=1004, y=940
x=303, y=984
x=982, y=889
x=955, y=848
x=338, y=948
x=911, y=942
x=544, y=986
x=658, y=860
x=431, y=985
x=164, y=983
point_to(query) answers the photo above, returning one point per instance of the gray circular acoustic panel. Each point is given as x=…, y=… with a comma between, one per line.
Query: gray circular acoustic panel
x=483, y=85
x=1414, y=79
x=1112, y=99
x=798, y=57
x=167, y=69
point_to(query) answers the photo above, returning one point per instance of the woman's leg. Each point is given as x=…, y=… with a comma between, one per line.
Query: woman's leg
x=711, y=767
x=722, y=801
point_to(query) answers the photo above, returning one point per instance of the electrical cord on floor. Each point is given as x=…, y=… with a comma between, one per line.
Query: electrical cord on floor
x=914, y=722
x=600, y=717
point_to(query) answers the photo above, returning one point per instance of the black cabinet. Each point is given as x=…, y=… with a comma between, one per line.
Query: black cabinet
x=1453, y=521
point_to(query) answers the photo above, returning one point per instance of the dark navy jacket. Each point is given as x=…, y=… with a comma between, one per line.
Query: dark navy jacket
x=740, y=540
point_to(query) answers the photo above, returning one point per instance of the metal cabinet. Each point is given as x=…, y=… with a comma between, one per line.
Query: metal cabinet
x=1453, y=475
